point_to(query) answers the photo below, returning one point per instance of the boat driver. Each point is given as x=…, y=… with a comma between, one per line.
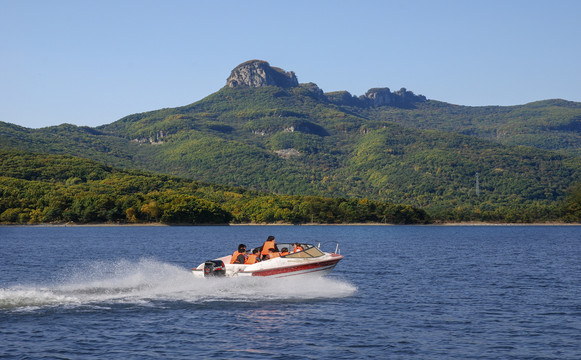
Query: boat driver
x=268, y=244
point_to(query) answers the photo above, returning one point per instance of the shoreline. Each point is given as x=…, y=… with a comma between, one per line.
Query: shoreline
x=468, y=223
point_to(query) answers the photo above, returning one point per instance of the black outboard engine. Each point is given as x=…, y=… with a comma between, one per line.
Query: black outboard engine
x=214, y=268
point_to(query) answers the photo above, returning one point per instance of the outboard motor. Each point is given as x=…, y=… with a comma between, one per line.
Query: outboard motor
x=214, y=268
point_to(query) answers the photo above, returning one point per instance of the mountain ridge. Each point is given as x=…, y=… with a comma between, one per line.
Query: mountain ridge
x=297, y=140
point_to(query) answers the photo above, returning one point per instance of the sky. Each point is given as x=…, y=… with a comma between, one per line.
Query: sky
x=91, y=63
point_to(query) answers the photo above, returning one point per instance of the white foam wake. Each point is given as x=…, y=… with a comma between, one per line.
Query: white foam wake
x=146, y=281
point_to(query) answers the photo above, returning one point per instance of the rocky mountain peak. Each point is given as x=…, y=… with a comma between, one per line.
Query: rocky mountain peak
x=376, y=97
x=257, y=73
x=384, y=97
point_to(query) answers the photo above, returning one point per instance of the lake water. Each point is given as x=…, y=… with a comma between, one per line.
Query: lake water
x=401, y=292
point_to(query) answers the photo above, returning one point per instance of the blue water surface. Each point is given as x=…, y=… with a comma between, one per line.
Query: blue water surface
x=401, y=292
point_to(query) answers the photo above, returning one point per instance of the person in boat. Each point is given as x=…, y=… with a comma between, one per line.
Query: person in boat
x=239, y=256
x=297, y=247
x=284, y=251
x=272, y=253
x=254, y=257
x=268, y=244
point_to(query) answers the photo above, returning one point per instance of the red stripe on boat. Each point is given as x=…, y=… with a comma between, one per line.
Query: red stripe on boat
x=317, y=265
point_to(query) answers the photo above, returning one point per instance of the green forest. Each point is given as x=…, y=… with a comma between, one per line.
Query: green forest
x=273, y=150
x=41, y=188
x=549, y=125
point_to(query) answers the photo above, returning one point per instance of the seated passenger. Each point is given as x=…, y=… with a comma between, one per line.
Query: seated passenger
x=272, y=253
x=268, y=244
x=297, y=248
x=239, y=256
x=254, y=257
x=284, y=251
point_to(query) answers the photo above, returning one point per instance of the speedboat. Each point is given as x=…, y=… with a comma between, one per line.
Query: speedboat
x=310, y=261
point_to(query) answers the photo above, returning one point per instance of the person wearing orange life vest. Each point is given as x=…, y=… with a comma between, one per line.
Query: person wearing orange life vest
x=297, y=248
x=239, y=256
x=272, y=253
x=284, y=251
x=254, y=257
x=268, y=244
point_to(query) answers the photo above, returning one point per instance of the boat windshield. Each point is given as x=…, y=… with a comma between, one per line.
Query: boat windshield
x=309, y=252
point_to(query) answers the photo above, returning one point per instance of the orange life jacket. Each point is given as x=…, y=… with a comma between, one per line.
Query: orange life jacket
x=251, y=259
x=297, y=249
x=235, y=256
x=273, y=255
x=283, y=253
x=268, y=244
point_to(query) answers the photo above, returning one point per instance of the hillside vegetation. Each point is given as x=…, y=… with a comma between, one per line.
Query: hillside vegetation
x=511, y=164
x=40, y=188
x=233, y=136
x=549, y=125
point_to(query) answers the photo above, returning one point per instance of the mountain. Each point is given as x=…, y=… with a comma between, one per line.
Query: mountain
x=265, y=131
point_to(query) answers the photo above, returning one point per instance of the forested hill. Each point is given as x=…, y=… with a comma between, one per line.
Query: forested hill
x=549, y=125
x=41, y=188
x=265, y=131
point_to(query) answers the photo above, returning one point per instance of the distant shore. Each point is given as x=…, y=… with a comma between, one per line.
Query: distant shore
x=468, y=223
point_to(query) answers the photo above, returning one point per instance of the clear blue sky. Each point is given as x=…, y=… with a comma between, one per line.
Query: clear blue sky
x=93, y=62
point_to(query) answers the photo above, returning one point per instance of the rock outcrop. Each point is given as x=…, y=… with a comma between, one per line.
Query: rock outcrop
x=384, y=97
x=314, y=91
x=257, y=73
x=379, y=97
x=376, y=97
x=288, y=153
x=343, y=98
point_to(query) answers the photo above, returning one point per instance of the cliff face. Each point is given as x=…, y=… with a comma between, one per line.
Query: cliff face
x=376, y=97
x=383, y=97
x=257, y=73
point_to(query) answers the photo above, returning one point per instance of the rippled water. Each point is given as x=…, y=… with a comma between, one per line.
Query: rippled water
x=423, y=292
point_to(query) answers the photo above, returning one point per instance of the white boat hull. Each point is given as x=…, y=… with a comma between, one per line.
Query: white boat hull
x=279, y=267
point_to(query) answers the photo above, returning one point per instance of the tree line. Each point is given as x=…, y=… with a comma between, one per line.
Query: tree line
x=40, y=188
